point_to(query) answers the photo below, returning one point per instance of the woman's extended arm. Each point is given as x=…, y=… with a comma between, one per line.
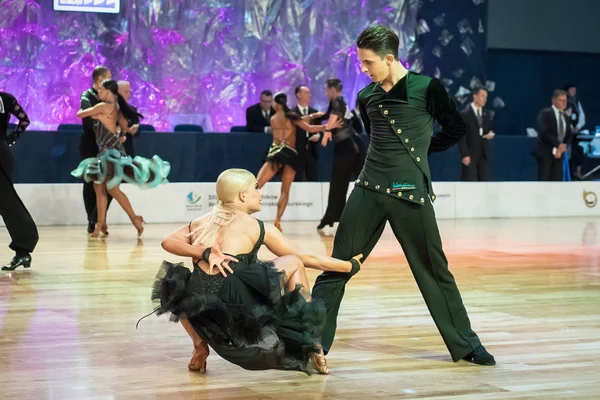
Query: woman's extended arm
x=317, y=128
x=98, y=109
x=308, y=128
x=281, y=246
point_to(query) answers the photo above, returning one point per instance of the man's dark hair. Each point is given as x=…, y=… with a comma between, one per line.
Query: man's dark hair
x=569, y=86
x=379, y=39
x=334, y=83
x=266, y=93
x=478, y=88
x=558, y=92
x=298, y=89
x=99, y=71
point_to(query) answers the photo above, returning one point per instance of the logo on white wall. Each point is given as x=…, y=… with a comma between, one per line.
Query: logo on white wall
x=590, y=199
x=193, y=201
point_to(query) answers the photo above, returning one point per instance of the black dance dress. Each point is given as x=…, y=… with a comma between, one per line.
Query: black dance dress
x=245, y=317
x=281, y=154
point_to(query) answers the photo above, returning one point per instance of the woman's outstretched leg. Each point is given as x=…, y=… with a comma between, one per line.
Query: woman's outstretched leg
x=123, y=201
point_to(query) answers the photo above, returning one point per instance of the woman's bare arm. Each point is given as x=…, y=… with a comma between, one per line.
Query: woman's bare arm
x=309, y=128
x=309, y=117
x=281, y=246
x=100, y=108
x=180, y=244
x=331, y=124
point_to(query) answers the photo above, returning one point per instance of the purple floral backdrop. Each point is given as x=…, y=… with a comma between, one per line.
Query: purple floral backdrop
x=189, y=60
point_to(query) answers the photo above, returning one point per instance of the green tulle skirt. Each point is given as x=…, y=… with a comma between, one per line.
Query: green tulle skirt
x=114, y=168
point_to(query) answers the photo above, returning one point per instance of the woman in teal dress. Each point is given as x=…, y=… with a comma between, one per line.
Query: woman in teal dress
x=112, y=165
x=256, y=314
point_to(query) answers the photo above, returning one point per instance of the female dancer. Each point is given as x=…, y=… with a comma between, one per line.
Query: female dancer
x=283, y=154
x=243, y=315
x=112, y=164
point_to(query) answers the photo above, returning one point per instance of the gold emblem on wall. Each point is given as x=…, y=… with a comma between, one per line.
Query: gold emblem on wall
x=590, y=199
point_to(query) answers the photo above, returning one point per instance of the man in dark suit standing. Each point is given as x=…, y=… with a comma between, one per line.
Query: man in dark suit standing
x=307, y=149
x=554, y=135
x=474, y=145
x=21, y=227
x=134, y=125
x=258, y=116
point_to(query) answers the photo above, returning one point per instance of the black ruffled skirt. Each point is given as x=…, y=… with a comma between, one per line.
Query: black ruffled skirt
x=248, y=320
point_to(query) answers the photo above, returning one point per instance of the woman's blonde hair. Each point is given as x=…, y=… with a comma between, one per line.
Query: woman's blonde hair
x=229, y=185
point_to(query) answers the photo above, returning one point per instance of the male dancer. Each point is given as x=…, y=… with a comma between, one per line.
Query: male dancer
x=348, y=153
x=87, y=144
x=398, y=110
x=125, y=92
x=19, y=223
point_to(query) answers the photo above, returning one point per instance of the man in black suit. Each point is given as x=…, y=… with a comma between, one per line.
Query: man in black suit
x=474, y=145
x=554, y=135
x=307, y=149
x=18, y=221
x=258, y=116
x=133, y=131
x=87, y=144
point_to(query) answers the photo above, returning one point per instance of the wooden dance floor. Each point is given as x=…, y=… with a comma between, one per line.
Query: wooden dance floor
x=532, y=289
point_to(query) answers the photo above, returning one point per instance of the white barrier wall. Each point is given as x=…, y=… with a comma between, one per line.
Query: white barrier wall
x=62, y=204
x=526, y=199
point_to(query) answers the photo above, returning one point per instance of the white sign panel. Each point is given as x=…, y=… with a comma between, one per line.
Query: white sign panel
x=62, y=204
x=93, y=6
